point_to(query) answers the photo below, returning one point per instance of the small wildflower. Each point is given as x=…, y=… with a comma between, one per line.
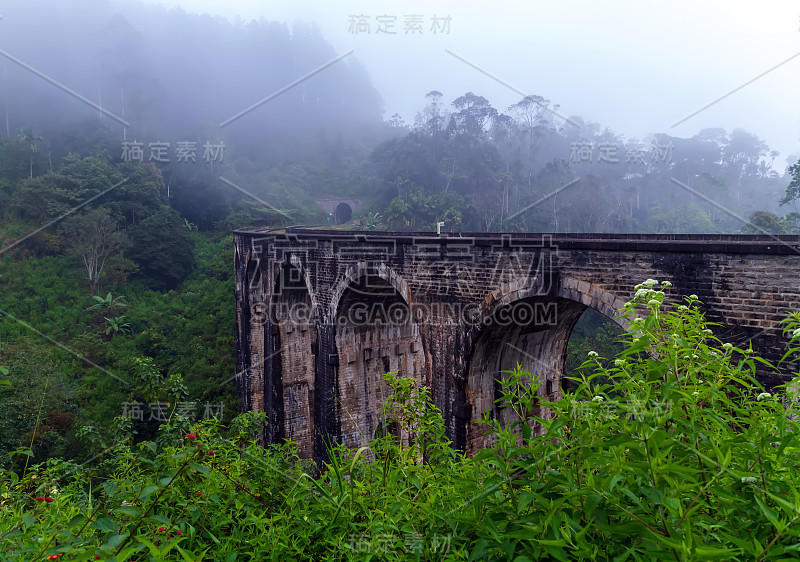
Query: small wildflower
x=683, y=308
x=666, y=284
x=40, y=498
x=592, y=354
x=653, y=302
x=191, y=436
x=211, y=451
x=48, y=499
x=637, y=321
x=598, y=399
x=199, y=493
x=695, y=394
x=635, y=340
x=619, y=362
x=161, y=529
x=178, y=532
x=796, y=333
x=727, y=346
x=650, y=283
x=764, y=396
x=693, y=297
x=708, y=332
x=749, y=479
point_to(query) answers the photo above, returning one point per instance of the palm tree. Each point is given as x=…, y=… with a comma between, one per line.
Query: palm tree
x=29, y=137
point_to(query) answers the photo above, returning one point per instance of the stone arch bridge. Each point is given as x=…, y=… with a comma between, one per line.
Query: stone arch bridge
x=321, y=315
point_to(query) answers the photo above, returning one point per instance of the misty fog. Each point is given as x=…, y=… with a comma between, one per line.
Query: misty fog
x=164, y=79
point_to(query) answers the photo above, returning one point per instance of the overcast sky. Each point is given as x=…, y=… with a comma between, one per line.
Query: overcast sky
x=636, y=66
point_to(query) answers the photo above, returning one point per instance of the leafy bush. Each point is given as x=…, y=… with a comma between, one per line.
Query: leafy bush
x=673, y=451
x=680, y=455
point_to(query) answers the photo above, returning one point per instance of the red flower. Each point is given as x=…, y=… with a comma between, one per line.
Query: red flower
x=55, y=556
x=48, y=499
x=39, y=498
x=210, y=451
x=191, y=436
x=161, y=529
x=178, y=532
x=199, y=493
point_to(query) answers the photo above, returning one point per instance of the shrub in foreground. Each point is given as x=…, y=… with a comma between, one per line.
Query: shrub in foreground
x=672, y=452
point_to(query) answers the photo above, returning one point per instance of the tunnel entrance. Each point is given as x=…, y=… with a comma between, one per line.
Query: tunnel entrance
x=533, y=332
x=294, y=360
x=343, y=213
x=375, y=334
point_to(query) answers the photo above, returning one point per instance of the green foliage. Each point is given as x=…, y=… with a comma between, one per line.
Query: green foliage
x=672, y=451
x=184, y=331
x=592, y=332
x=685, y=219
x=764, y=222
x=107, y=303
x=418, y=211
x=793, y=189
x=681, y=454
x=162, y=249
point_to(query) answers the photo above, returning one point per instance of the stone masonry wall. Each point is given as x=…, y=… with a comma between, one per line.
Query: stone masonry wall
x=475, y=305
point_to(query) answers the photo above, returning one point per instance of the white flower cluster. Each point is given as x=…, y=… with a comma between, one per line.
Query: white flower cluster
x=646, y=293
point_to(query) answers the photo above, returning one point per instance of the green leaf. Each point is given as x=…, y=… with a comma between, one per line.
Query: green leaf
x=148, y=491
x=189, y=557
x=711, y=553
x=201, y=468
x=129, y=510
x=106, y=524
x=619, y=439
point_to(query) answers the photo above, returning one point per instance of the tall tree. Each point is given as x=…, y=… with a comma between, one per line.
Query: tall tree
x=31, y=140
x=93, y=237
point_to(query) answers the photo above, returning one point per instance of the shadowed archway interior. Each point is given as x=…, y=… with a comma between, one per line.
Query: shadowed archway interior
x=531, y=332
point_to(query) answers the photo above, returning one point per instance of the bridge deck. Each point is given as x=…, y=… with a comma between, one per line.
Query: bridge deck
x=704, y=243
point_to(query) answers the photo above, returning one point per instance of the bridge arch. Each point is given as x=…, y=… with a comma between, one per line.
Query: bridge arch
x=293, y=355
x=519, y=325
x=375, y=333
